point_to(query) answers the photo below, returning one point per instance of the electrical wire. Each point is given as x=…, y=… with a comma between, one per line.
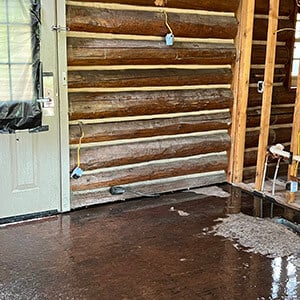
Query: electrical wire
x=79, y=144
x=167, y=23
x=284, y=29
x=275, y=176
x=265, y=172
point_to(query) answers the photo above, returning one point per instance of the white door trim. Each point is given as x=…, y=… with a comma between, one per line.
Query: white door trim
x=63, y=106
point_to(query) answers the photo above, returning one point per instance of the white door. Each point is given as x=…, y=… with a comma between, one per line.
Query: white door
x=30, y=173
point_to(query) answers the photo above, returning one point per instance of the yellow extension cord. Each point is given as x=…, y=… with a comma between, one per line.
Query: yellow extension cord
x=79, y=144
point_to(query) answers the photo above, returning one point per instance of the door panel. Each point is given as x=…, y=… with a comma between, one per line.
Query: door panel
x=30, y=162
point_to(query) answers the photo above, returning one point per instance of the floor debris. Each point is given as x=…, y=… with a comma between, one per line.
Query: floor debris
x=211, y=191
x=258, y=235
x=181, y=213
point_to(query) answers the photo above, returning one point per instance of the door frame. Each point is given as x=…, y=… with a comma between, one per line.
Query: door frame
x=63, y=107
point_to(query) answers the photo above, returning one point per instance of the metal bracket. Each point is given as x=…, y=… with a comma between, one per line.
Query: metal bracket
x=59, y=28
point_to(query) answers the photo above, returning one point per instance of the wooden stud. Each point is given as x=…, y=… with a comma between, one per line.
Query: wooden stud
x=296, y=128
x=241, y=89
x=268, y=90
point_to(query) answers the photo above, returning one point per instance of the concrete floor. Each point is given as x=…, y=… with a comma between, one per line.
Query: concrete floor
x=139, y=250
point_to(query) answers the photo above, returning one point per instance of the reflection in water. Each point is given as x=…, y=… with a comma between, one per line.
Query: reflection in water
x=284, y=268
x=276, y=266
x=291, y=287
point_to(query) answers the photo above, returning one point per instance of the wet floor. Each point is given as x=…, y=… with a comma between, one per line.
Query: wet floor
x=143, y=249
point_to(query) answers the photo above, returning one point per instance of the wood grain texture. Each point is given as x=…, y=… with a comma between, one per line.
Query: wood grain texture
x=259, y=54
x=83, y=51
x=245, y=16
x=81, y=18
x=151, y=171
x=282, y=115
x=147, y=128
x=268, y=90
x=210, y=5
x=278, y=135
x=152, y=77
x=258, y=74
x=148, y=187
x=141, y=151
x=281, y=95
x=261, y=27
x=286, y=7
x=107, y=105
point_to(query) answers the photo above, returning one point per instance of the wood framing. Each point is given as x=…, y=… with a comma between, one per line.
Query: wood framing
x=241, y=90
x=296, y=129
x=268, y=89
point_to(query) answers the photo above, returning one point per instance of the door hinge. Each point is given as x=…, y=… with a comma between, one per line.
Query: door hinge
x=59, y=28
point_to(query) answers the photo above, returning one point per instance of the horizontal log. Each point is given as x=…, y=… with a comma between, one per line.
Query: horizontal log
x=210, y=5
x=147, y=128
x=155, y=170
x=250, y=158
x=258, y=74
x=259, y=54
x=152, y=77
x=278, y=135
x=250, y=172
x=106, y=105
x=98, y=20
x=281, y=95
x=149, y=187
x=286, y=8
x=253, y=118
x=85, y=51
x=135, y=152
x=261, y=29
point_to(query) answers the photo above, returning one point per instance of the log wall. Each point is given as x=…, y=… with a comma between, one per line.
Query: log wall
x=283, y=97
x=155, y=117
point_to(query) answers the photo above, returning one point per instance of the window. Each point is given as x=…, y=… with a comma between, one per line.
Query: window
x=19, y=65
x=17, y=35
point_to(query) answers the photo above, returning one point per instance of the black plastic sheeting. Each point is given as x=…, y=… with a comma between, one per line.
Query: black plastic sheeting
x=19, y=115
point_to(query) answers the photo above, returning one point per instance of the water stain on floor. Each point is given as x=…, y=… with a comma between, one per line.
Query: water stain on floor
x=143, y=249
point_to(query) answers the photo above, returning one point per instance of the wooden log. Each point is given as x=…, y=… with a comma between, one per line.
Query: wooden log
x=259, y=54
x=154, y=170
x=250, y=158
x=152, y=77
x=85, y=198
x=147, y=128
x=258, y=74
x=281, y=115
x=250, y=172
x=85, y=51
x=261, y=29
x=286, y=7
x=281, y=95
x=222, y=6
x=107, y=105
x=278, y=135
x=99, y=20
x=142, y=151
